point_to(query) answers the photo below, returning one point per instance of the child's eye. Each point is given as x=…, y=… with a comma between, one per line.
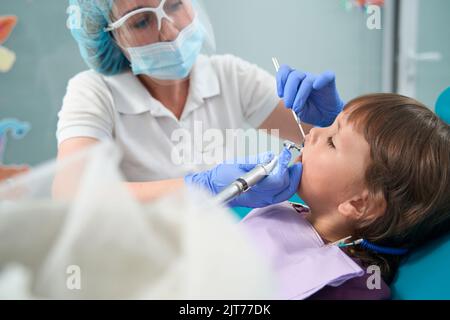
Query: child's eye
x=330, y=143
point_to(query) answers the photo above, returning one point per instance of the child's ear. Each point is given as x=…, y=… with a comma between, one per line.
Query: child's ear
x=363, y=207
x=7, y=25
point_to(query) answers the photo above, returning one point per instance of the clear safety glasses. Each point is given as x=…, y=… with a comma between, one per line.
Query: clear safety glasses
x=146, y=22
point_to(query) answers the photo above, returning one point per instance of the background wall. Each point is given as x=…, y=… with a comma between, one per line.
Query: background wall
x=308, y=34
x=434, y=30
x=32, y=91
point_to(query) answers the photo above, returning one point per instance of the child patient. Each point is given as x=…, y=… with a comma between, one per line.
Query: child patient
x=380, y=173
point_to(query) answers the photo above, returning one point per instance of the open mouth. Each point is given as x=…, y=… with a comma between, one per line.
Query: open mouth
x=299, y=158
x=302, y=153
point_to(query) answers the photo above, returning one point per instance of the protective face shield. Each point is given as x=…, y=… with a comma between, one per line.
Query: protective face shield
x=161, y=38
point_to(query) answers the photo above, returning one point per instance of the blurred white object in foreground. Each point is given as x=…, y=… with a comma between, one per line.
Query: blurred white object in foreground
x=83, y=236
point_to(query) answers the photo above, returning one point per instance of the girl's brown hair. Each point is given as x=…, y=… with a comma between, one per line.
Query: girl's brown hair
x=409, y=169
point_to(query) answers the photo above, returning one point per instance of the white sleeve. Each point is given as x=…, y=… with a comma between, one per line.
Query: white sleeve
x=258, y=92
x=87, y=109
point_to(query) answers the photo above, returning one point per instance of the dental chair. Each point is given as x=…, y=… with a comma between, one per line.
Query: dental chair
x=426, y=273
x=443, y=106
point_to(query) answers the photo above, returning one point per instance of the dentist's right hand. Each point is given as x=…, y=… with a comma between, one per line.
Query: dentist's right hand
x=314, y=98
x=278, y=187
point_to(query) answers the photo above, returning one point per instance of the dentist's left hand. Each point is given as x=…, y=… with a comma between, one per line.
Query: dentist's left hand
x=278, y=187
x=314, y=98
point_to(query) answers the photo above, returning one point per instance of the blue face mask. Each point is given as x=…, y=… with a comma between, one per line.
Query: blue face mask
x=169, y=60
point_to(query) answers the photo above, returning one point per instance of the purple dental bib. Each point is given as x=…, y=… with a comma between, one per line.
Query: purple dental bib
x=302, y=263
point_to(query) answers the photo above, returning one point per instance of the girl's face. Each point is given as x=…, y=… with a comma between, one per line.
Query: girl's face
x=334, y=165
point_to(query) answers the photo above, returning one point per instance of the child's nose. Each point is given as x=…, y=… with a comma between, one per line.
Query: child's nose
x=168, y=31
x=312, y=136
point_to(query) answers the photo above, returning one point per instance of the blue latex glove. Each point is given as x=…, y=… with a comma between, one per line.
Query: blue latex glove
x=314, y=98
x=278, y=187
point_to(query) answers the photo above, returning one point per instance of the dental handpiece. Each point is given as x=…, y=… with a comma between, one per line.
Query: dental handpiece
x=246, y=182
x=252, y=178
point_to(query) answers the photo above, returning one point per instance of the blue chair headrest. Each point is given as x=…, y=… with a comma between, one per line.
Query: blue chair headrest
x=443, y=106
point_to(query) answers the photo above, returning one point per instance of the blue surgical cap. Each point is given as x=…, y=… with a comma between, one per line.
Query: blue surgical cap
x=97, y=47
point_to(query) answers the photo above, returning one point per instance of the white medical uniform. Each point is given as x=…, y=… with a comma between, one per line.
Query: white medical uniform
x=225, y=93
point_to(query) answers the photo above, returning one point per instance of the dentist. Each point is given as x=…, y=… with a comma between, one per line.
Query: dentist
x=153, y=72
